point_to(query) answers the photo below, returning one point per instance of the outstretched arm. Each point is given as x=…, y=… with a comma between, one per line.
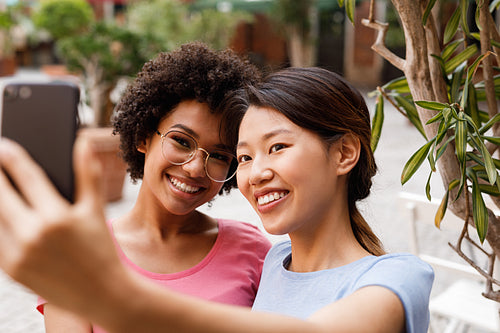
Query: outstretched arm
x=64, y=253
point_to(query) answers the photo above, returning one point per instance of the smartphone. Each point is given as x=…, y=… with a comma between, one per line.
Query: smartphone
x=43, y=118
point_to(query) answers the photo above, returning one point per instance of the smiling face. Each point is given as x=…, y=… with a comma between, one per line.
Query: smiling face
x=181, y=188
x=287, y=173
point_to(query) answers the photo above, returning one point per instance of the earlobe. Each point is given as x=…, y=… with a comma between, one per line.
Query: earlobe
x=350, y=149
x=141, y=147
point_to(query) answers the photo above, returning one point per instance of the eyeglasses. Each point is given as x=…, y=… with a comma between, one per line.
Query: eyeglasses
x=180, y=148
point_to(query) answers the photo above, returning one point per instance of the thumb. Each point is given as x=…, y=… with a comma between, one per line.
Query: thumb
x=88, y=174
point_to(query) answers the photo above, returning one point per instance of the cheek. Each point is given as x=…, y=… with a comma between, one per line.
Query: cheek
x=243, y=184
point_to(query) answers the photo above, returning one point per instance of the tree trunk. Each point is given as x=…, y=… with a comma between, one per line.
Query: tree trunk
x=300, y=50
x=427, y=87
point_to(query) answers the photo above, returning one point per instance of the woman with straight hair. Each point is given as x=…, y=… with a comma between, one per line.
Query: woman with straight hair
x=304, y=161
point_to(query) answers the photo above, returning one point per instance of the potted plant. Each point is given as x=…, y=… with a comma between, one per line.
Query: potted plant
x=100, y=53
x=62, y=18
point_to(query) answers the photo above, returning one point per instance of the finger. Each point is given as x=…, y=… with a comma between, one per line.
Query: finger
x=88, y=175
x=12, y=204
x=29, y=178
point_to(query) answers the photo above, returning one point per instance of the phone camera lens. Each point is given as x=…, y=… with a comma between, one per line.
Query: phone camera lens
x=25, y=92
x=10, y=92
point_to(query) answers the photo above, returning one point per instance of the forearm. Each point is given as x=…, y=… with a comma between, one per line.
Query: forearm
x=149, y=308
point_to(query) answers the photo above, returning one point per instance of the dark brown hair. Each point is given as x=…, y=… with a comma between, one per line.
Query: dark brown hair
x=326, y=104
x=191, y=72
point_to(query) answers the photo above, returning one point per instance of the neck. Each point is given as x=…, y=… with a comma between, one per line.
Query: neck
x=329, y=244
x=152, y=217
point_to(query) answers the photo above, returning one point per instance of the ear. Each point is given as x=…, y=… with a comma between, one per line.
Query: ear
x=142, y=147
x=349, y=149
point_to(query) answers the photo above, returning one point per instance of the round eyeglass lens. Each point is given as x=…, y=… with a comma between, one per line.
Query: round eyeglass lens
x=217, y=165
x=179, y=148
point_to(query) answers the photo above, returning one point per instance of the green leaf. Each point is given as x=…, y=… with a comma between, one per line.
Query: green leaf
x=442, y=148
x=428, y=187
x=495, y=43
x=430, y=157
x=399, y=85
x=378, y=120
x=436, y=106
x=494, y=5
x=450, y=49
x=456, y=83
x=341, y=3
x=493, y=139
x=465, y=95
x=489, y=165
x=444, y=203
x=442, y=130
x=411, y=112
x=489, y=189
x=428, y=11
x=464, y=6
x=460, y=58
x=474, y=157
x=476, y=19
x=472, y=68
x=479, y=210
x=437, y=117
x=441, y=210
x=447, y=115
x=350, y=8
x=461, y=138
x=472, y=107
x=452, y=26
x=489, y=124
x=415, y=162
x=476, y=35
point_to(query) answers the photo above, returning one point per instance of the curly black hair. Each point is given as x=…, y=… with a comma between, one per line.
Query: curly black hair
x=191, y=72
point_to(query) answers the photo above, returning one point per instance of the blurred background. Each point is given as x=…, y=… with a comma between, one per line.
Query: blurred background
x=102, y=44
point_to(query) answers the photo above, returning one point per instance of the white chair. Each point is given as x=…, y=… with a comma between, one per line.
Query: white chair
x=461, y=305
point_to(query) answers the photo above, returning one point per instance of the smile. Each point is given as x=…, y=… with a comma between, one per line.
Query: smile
x=183, y=186
x=268, y=198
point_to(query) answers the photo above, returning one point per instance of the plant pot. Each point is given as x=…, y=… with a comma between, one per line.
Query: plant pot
x=106, y=147
x=8, y=66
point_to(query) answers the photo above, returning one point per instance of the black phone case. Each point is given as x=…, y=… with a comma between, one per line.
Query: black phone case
x=42, y=117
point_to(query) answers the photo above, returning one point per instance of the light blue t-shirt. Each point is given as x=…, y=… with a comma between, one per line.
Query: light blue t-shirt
x=302, y=294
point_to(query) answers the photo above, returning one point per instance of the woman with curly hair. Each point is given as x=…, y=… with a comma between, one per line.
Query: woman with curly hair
x=171, y=123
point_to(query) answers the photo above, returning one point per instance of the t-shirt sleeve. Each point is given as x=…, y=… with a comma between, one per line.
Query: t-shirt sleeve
x=40, y=304
x=410, y=278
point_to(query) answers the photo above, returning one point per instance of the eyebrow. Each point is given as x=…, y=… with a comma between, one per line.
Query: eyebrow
x=186, y=129
x=266, y=136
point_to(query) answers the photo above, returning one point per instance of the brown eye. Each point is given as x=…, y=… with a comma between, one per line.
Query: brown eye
x=276, y=147
x=243, y=159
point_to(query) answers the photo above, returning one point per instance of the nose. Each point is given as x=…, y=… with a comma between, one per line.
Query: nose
x=196, y=166
x=260, y=172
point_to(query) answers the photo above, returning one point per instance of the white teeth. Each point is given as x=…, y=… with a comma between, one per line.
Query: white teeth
x=183, y=186
x=265, y=199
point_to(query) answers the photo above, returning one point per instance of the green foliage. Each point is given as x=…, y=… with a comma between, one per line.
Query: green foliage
x=166, y=22
x=461, y=122
x=6, y=19
x=294, y=13
x=170, y=23
x=350, y=5
x=114, y=50
x=63, y=18
x=216, y=28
